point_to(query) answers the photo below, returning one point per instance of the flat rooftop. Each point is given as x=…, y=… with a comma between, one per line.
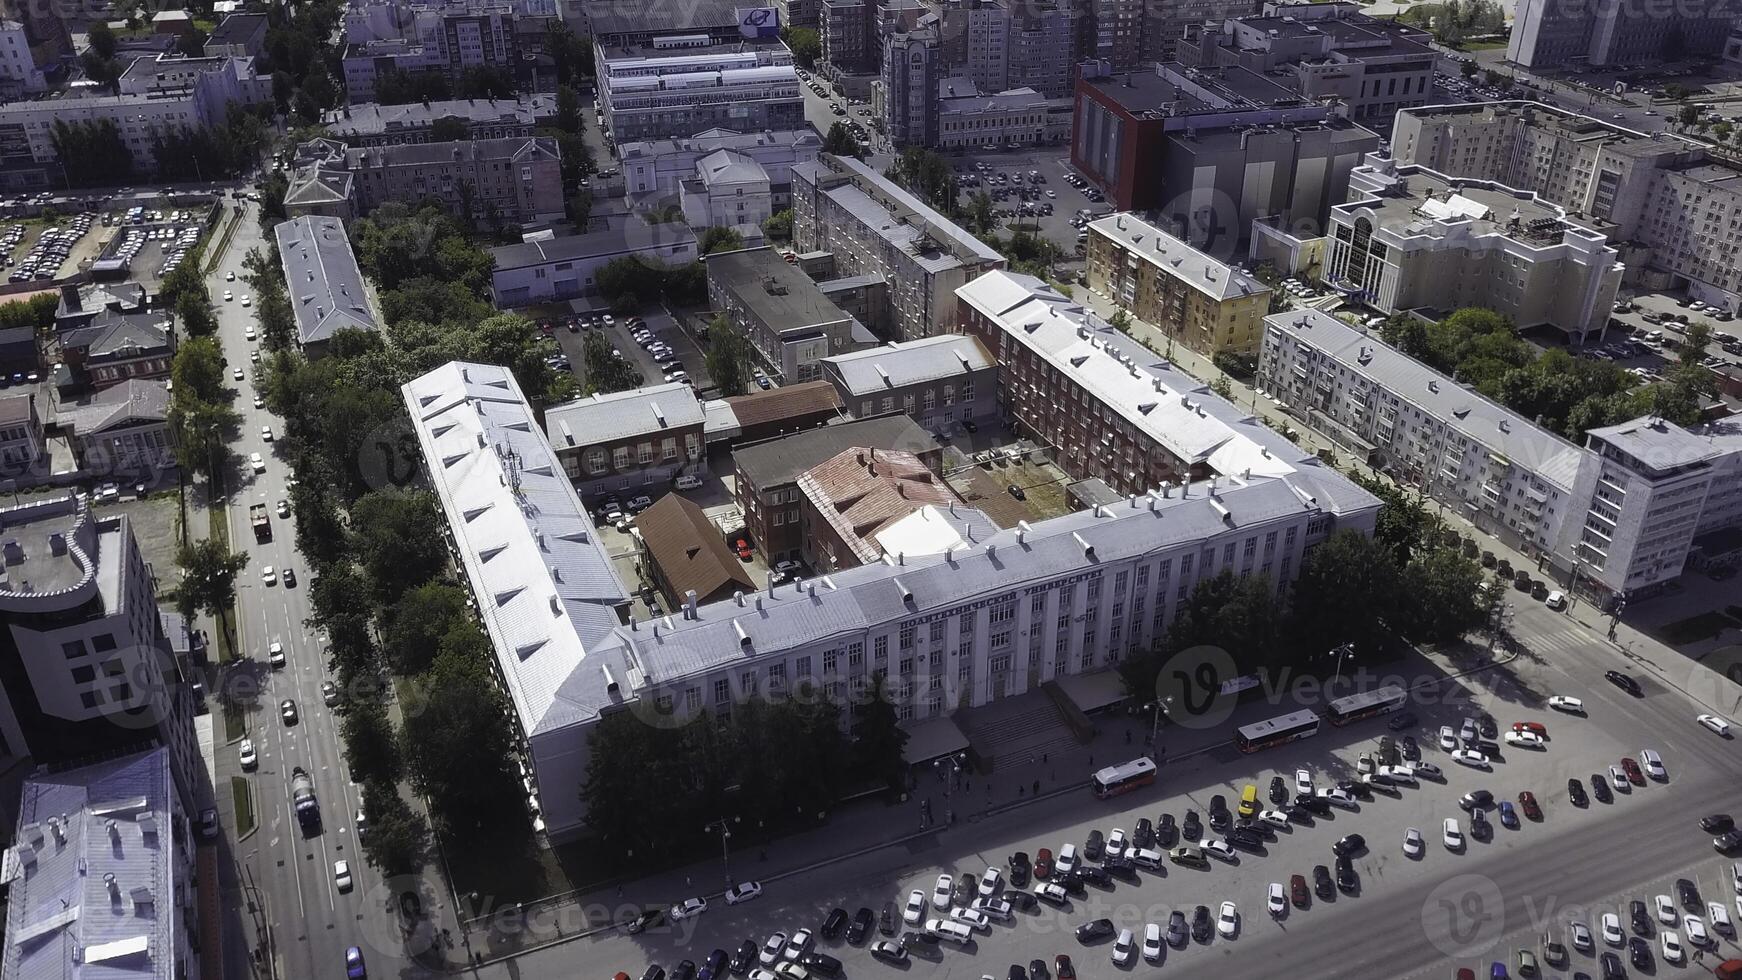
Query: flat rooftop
x=40, y=541
x=1421, y=197
x=774, y=290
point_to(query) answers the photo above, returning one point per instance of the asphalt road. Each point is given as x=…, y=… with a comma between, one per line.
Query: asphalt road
x=1408, y=917
x=312, y=921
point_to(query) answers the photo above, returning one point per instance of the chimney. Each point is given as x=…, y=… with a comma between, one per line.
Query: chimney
x=69, y=297
x=689, y=604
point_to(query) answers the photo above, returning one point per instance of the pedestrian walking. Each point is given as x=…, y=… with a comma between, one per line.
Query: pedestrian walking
x=1037, y=787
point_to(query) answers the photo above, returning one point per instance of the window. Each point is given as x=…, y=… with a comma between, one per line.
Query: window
x=113, y=668
x=907, y=636
x=1037, y=605
x=722, y=691
x=122, y=691
x=90, y=699
x=644, y=453
x=668, y=449
x=949, y=394
x=880, y=649
x=829, y=662
x=855, y=655
x=84, y=674
x=747, y=683
x=73, y=648
x=1004, y=612
x=776, y=676
x=937, y=631
x=889, y=403
x=595, y=460
x=620, y=458
x=931, y=399
x=966, y=629
x=905, y=667
x=103, y=643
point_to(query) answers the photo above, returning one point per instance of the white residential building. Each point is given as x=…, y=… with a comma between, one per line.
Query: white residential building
x=659, y=166
x=875, y=228
x=325, y=285
x=1410, y=238
x=102, y=878
x=728, y=189
x=19, y=71
x=544, y=270
x=122, y=432
x=1620, y=511
x=680, y=86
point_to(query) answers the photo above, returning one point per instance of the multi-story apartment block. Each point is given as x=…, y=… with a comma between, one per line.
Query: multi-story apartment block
x=1620, y=512
x=445, y=39
x=373, y=124
x=659, y=166
x=790, y=324
x=507, y=181
x=1207, y=305
x=87, y=670
x=1208, y=153
x=975, y=41
x=324, y=281
x=968, y=119
x=998, y=615
x=684, y=85
x=847, y=37
x=1165, y=24
x=1323, y=51
x=1409, y=238
x=1674, y=205
x=627, y=440
x=875, y=228
x=1043, y=47
x=1547, y=35
x=158, y=95
x=939, y=382
x=114, y=836
x=913, y=65
x=1111, y=31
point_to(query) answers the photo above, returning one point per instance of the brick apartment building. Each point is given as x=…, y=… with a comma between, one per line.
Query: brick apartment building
x=627, y=440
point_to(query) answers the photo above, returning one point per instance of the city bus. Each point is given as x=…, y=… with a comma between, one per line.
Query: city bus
x=1124, y=778
x=1355, y=707
x=1275, y=731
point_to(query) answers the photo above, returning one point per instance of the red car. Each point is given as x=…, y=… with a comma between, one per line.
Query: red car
x=743, y=548
x=1535, y=727
x=1634, y=776
x=1043, y=863
x=1062, y=968
x=1527, y=801
x=1298, y=891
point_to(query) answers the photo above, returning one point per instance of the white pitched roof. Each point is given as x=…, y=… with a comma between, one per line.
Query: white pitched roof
x=540, y=576
x=1201, y=271
x=622, y=414
x=915, y=361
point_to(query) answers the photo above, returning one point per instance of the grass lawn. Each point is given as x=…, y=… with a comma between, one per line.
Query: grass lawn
x=1695, y=628
x=235, y=722
x=244, y=805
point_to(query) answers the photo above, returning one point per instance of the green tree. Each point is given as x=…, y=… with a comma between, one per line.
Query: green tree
x=579, y=209
x=208, y=582
x=199, y=429
x=198, y=370
x=1404, y=525
x=371, y=746
x=1441, y=596
x=398, y=839
x=1694, y=341
x=719, y=239
x=1687, y=115
x=1236, y=613
x=572, y=54
x=1120, y=320
x=636, y=783
x=1223, y=388
x=196, y=316
x=982, y=214
x=840, y=141
x=449, y=129
x=102, y=39
x=399, y=539
x=458, y=748
x=728, y=357
x=1346, y=589
x=606, y=372
x=778, y=226
x=805, y=44
x=879, y=741
x=412, y=628
x=568, y=110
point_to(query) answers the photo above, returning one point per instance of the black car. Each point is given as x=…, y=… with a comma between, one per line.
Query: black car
x=1612, y=967
x=657, y=972
x=1017, y=492
x=1191, y=828
x=1388, y=752
x=1477, y=799
x=1099, y=877
x=1401, y=721
x=744, y=959
x=1317, y=804
x=1625, y=682
x=1144, y=834
x=1095, y=930
x=860, y=930
x=684, y=970
x=1021, y=901
x=1322, y=881
x=1352, y=844
x=1600, y=789
x=1297, y=814
x=1480, y=828
x=890, y=954
x=1201, y=923
x=1095, y=846
x=921, y=938
x=715, y=964
x=1489, y=728
x=822, y=963
x=1411, y=750
x=1120, y=867
x=1166, y=831
x=1245, y=840
x=835, y=923
x=1278, y=790
x=1639, y=952
x=1717, y=823
x=1062, y=968
x=1640, y=916
x=1260, y=827
x=1019, y=869
x=1346, y=879
x=1073, y=883
x=1355, y=788
x=1221, y=820
x=1576, y=793
x=1728, y=843
x=887, y=920
x=1218, y=802
x=1690, y=896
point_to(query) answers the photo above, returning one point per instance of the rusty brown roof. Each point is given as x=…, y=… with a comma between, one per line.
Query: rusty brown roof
x=789, y=401
x=690, y=552
x=862, y=490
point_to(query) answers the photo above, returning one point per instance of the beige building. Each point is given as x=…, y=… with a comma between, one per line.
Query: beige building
x=511, y=180
x=1198, y=300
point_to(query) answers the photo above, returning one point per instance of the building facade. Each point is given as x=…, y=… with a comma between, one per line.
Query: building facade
x=684, y=85
x=22, y=448
x=1410, y=238
x=969, y=120
x=626, y=441
x=374, y=124
x=123, y=431
x=939, y=382
x=790, y=324
x=1207, y=305
x=913, y=65
x=660, y=166
x=873, y=227
x=555, y=269
x=512, y=180
x=728, y=189
x=1548, y=36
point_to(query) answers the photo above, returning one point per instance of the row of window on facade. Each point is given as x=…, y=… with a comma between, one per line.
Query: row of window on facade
x=644, y=454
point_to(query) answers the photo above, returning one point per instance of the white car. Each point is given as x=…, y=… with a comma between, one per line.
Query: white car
x=1228, y=920
x=1303, y=781
x=1123, y=948
x=996, y=909
x=228, y=296
x=1672, y=947
x=744, y=891
x=230, y=276
x=1652, y=763
x=1666, y=913
x=1219, y=848
x=1412, y=843
x=248, y=335
x=1278, y=901
x=1152, y=942
x=1612, y=930
x=1716, y=724
x=1571, y=705
x=1471, y=758
x=269, y=575
x=1579, y=935
x=249, y=760
x=1529, y=740
x=798, y=945
x=990, y=879
x=1337, y=796
x=687, y=482
x=972, y=918
x=689, y=908
x=1448, y=738
x=941, y=894
x=1453, y=834
x=266, y=432
x=1116, y=843
x=1274, y=817
x=236, y=374
x=1720, y=919
x=259, y=402
x=1618, y=779
x=771, y=949
x=255, y=461
x=247, y=302
x=342, y=875
x=284, y=508
x=915, y=911
x=275, y=655
x=1696, y=930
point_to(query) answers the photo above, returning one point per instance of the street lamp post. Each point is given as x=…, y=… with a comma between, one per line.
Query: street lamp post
x=1161, y=707
x=724, y=827
x=1343, y=653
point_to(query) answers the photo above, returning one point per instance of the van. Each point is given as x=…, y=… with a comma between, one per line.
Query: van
x=951, y=930
x=1249, y=801
x=1403, y=775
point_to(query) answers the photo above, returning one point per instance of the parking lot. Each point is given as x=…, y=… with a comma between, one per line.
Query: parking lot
x=42, y=251
x=570, y=332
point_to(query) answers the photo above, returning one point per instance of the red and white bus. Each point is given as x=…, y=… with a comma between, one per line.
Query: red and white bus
x=1124, y=778
x=1275, y=731
x=1366, y=704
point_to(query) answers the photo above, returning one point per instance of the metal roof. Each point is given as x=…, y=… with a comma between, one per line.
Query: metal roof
x=1208, y=275
x=622, y=415
x=780, y=461
x=689, y=550
x=542, y=580
x=896, y=365
x=321, y=276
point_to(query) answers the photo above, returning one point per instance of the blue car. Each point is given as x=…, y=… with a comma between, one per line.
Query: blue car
x=354, y=968
x=1508, y=815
